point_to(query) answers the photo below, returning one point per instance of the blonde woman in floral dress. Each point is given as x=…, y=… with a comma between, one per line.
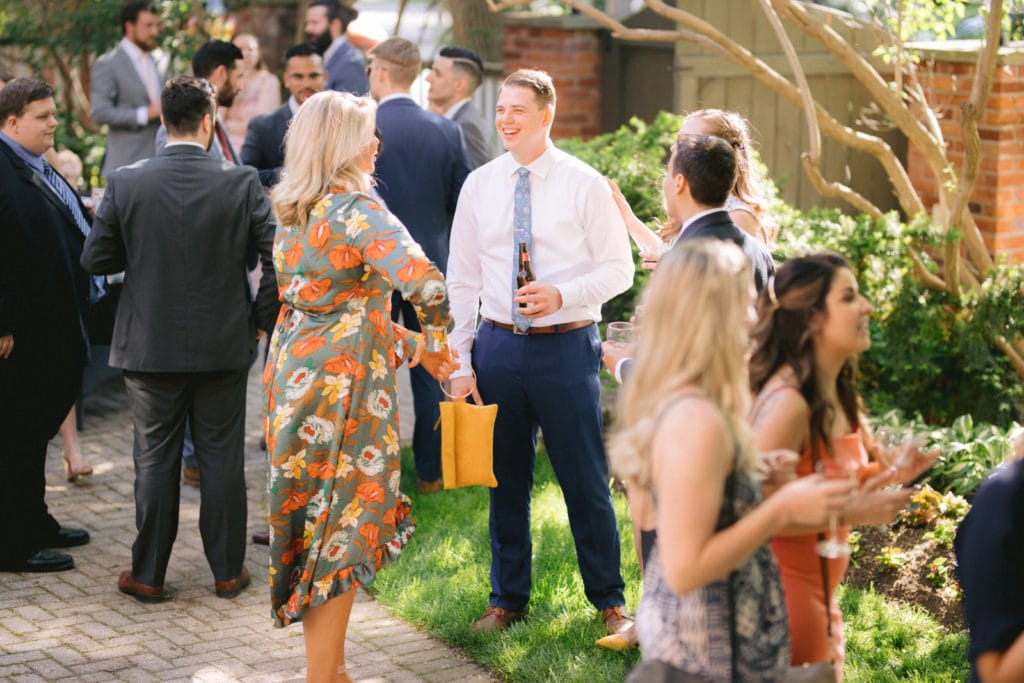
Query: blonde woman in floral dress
x=336, y=512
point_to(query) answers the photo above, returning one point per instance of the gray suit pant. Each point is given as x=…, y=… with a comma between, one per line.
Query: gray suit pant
x=215, y=405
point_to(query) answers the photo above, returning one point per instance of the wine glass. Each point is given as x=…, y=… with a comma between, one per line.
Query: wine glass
x=894, y=444
x=619, y=333
x=831, y=546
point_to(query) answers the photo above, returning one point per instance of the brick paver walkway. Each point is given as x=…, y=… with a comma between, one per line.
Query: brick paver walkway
x=76, y=625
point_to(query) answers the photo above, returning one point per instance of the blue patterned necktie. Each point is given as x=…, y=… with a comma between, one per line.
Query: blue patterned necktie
x=521, y=234
x=97, y=284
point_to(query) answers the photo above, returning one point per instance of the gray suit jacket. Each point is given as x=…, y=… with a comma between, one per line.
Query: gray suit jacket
x=477, y=142
x=180, y=226
x=117, y=93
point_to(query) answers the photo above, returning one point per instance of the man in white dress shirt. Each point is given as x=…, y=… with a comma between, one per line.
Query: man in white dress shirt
x=536, y=350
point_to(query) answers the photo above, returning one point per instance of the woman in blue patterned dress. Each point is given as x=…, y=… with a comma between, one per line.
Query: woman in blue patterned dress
x=682, y=437
x=336, y=512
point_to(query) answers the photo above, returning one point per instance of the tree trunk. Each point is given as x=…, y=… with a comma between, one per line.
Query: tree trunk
x=476, y=27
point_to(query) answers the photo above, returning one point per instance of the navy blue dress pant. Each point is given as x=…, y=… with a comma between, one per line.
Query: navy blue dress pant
x=548, y=382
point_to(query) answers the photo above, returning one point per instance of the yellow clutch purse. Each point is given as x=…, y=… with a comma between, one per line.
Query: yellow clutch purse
x=467, y=444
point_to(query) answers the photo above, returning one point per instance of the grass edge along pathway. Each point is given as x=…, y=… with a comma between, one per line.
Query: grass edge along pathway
x=441, y=583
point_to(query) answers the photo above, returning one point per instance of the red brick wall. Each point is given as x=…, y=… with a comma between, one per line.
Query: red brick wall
x=572, y=56
x=998, y=200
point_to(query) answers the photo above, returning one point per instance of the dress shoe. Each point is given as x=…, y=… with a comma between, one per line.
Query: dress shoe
x=626, y=640
x=68, y=537
x=41, y=561
x=616, y=620
x=232, y=587
x=429, y=487
x=261, y=537
x=190, y=475
x=496, y=619
x=140, y=591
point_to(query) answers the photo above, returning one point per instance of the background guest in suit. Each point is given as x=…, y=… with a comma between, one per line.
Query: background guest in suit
x=535, y=351
x=126, y=86
x=44, y=298
x=420, y=171
x=179, y=225
x=262, y=92
x=220, y=63
x=264, y=143
x=455, y=75
x=326, y=28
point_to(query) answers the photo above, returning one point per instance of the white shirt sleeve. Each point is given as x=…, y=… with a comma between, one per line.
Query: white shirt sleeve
x=608, y=241
x=464, y=278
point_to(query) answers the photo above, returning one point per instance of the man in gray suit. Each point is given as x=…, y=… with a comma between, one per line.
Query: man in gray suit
x=126, y=86
x=456, y=74
x=180, y=225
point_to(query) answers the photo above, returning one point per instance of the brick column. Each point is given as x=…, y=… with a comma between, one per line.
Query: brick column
x=568, y=48
x=997, y=203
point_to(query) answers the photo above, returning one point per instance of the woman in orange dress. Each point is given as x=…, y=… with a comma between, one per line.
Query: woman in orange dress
x=813, y=322
x=336, y=512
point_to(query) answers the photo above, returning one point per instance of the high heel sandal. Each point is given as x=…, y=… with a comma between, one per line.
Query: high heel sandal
x=625, y=640
x=73, y=473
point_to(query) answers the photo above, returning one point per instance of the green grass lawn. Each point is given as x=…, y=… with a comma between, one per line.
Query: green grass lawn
x=441, y=583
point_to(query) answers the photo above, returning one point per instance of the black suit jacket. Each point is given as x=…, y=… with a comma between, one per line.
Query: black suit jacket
x=420, y=172
x=264, y=143
x=180, y=226
x=44, y=300
x=718, y=225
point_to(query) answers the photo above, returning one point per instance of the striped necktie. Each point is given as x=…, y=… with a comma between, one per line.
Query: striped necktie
x=97, y=284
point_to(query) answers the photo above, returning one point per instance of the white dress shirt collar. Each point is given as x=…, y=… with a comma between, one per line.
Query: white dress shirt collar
x=293, y=105
x=456, y=108
x=540, y=166
x=133, y=50
x=692, y=219
x=395, y=96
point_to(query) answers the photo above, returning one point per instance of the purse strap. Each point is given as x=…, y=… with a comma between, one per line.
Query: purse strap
x=828, y=601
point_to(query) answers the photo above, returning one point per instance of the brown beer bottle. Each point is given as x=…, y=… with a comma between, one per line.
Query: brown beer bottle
x=524, y=274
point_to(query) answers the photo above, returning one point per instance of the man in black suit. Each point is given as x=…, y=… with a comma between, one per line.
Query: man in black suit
x=701, y=173
x=44, y=299
x=264, y=139
x=420, y=171
x=180, y=226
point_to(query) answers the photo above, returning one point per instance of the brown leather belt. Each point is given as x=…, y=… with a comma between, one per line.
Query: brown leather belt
x=547, y=329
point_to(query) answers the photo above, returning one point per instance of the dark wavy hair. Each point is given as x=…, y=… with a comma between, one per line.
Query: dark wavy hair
x=783, y=337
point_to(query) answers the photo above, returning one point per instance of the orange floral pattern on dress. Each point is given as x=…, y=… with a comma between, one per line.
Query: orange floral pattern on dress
x=336, y=512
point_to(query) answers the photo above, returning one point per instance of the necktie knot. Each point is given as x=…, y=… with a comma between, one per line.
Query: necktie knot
x=523, y=172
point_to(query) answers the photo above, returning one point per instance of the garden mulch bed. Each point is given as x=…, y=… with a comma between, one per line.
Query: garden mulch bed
x=910, y=584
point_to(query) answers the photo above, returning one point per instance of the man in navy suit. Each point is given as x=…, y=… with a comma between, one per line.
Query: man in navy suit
x=44, y=298
x=420, y=173
x=326, y=24
x=264, y=139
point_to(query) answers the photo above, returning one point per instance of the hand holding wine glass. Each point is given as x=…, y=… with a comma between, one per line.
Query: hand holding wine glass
x=831, y=546
x=899, y=448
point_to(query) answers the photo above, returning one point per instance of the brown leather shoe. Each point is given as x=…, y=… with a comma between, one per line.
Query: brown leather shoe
x=140, y=591
x=232, y=587
x=429, y=487
x=261, y=537
x=190, y=475
x=496, y=619
x=616, y=620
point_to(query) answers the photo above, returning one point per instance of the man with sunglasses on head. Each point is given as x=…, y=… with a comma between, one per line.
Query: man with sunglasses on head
x=456, y=74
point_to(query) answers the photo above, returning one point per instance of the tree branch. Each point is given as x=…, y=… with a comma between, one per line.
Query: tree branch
x=1016, y=360
x=928, y=278
x=970, y=113
x=833, y=189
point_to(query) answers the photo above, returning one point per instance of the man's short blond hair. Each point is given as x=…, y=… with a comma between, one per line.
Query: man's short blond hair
x=401, y=59
x=536, y=80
